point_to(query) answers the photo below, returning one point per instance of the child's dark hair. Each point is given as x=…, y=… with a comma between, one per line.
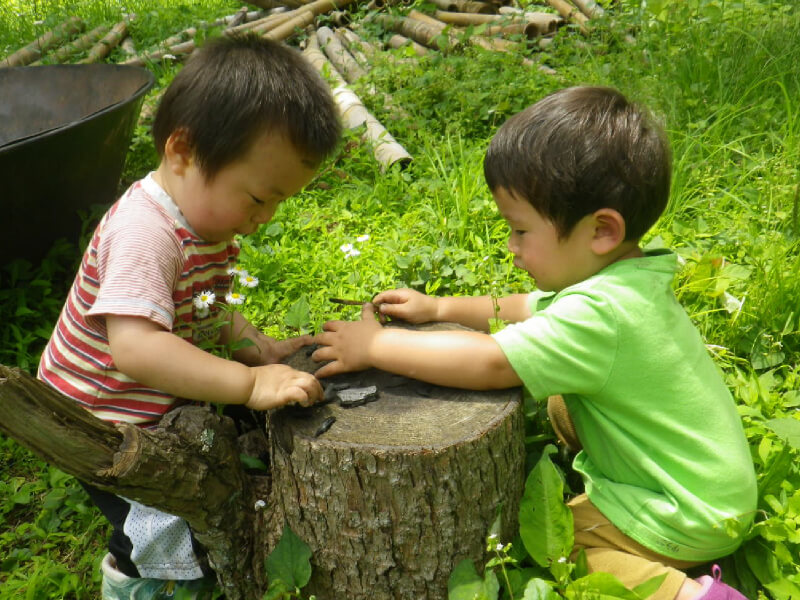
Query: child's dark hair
x=579, y=150
x=234, y=89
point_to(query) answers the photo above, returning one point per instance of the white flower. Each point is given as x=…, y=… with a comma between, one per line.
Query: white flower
x=563, y=559
x=234, y=298
x=248, y=281
x=238, y=271
x=493, y=536
x=499, y=547
x=346, y=248
x=731, y=303
x=260, y=504
x=362, y=238
x=204, y=299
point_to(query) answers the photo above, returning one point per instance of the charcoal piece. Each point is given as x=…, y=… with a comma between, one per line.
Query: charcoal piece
x=324, y=426
x=356, y=396
x=311, y=349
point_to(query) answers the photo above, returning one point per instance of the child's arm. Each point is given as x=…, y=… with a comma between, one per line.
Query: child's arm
x=161, y=360
x=471, y=311
x=462, y=359
x=264, y=350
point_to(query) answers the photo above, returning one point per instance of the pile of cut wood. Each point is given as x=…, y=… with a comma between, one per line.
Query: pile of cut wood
x=343, y=54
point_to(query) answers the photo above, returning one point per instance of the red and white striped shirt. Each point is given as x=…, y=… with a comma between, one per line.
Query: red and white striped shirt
x=143, y=261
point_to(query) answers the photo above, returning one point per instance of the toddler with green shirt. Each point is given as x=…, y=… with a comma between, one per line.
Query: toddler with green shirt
x=580, y=177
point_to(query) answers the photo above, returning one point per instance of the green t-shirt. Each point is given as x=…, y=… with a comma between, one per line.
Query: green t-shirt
x=664, y=454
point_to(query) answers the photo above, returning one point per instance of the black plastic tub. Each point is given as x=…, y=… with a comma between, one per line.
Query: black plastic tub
x=64, y=134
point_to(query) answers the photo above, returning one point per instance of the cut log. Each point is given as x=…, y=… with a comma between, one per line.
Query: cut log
x=82, y=43
x=536, y=23
x=399, y=490
x=473, y=40
x=110, y=41
x=385, y=148
x=390, y=498
x=189, y=466
x=51, y=39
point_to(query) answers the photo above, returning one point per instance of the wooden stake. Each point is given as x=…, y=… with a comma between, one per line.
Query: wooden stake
x=102, y=48
x=51, y=39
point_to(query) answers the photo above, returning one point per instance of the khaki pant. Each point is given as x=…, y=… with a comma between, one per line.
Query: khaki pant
x=607, y=549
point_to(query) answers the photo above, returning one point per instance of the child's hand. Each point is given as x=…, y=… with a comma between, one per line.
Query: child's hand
x=278, y=385
x=406, y=304
x=274, y=351
x=346, y=343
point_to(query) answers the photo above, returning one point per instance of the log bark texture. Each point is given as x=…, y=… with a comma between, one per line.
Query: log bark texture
x=189, y=466
x=389, y=499
x=104, y=47
x=401, y=489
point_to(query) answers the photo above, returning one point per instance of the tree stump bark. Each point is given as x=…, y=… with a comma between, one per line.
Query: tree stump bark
x=389, y=499
x=399, y=490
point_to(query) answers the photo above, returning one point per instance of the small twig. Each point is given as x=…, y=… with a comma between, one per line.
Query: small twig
x=348, y=302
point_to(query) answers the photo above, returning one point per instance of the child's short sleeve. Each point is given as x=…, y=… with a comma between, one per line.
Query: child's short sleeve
x=138, y=262
x=568, y=347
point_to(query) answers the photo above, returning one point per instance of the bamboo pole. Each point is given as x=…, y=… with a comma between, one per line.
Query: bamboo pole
x=538, y=23
x=289, y=28
x=128, y=47
x=467, y=6
x=399, y=41
x=110, y=40
x=339, y=56
x=423, y=33
x=474, y=40
x=42, y=44
x=357, y=43
x=570, y=13
x=590, y=8
x=82, y=43
x=386, y=150
x=356, y=46
x=173, y=52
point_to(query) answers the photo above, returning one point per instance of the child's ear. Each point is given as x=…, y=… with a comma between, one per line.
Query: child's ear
x=178, y=152
x=609, y=231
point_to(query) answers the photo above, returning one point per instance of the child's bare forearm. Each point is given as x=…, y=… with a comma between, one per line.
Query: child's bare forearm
x=462, y=359
x=160, y=360
x=475, y=311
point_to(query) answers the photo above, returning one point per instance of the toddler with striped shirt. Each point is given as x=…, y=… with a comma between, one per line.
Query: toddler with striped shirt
x=243, y=126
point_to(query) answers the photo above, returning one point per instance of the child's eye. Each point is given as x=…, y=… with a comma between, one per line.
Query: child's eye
x=256, y=200
x=519, y=232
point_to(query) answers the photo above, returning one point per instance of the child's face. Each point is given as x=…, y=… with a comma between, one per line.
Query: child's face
x=553, y=263
x=245, y=193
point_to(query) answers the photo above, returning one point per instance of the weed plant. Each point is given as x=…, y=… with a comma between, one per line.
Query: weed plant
x=721, y=75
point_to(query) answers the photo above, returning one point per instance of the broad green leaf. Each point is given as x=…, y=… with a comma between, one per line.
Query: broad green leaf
x=649, y=587
x=298, y=315
x=539, y=589
x=788, y=429
x=599, y=586
x=290, y=561
x=466, y=584
x=545, y=522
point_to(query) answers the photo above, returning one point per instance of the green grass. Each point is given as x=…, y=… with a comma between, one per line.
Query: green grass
x=722, y=75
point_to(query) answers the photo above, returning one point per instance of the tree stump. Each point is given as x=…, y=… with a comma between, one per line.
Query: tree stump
x=398, y=490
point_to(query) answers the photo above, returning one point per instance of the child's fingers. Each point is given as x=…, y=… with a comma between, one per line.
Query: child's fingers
x=392, y=296
x=368, y=311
